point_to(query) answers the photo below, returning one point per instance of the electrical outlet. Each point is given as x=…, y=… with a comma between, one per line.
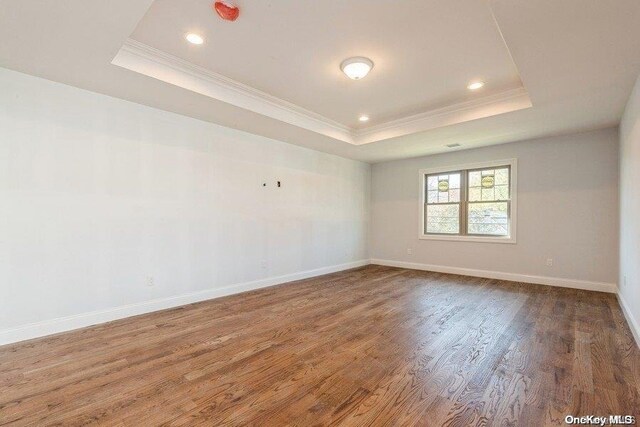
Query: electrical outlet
x=409, y=251
x=150, y=281
x=549, y=262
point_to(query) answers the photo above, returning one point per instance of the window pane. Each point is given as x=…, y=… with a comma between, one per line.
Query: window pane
x=487, y=194
x=489, y=185
x=444, y=219
x=489, y=218
x=502, y=176
x=502, y=192
x=475, y=195
x=474, y=179
x=454, y=195
x=454, y=180
x=445, y=188
x=432, y=183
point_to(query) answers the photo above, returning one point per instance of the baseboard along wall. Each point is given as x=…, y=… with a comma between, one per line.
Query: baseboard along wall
x=514, y=277
x=634, y=325
x=63, y=324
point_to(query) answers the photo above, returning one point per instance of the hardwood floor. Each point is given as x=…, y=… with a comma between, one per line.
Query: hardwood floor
x=371, y=346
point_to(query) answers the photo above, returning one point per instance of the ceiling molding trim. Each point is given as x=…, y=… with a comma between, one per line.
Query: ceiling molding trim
x=147, y=60
x=491, y=105
x=152, y=62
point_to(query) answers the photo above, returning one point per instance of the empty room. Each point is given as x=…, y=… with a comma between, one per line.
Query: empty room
x=313, y=213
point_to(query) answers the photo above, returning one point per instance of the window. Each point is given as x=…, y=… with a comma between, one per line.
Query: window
x=470, y=202
x=443, y=203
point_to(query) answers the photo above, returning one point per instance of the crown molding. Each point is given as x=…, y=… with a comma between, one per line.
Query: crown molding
x=155, y=63
x=487, y=106
x=147, y=60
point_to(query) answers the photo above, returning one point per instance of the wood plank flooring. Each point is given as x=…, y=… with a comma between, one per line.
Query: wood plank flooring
x=370, y=346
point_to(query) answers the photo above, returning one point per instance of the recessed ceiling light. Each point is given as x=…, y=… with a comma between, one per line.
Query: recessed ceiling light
x=357, y=67
x=475, y=85
x=363, y=118
x=194, y=38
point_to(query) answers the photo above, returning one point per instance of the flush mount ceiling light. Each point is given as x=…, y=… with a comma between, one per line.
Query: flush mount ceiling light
x=357, y=67
x=475, y=85
x=194, y=38
x=363, y=118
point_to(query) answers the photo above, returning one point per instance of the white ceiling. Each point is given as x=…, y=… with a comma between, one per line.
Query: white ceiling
x=577, y=60
x=292, y=49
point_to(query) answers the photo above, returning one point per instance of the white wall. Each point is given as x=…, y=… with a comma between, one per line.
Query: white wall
x=630, y=211
x=99, y=194
x=567, y=211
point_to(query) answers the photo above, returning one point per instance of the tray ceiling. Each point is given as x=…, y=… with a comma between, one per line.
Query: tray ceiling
x=281, y=59
x=576, y=60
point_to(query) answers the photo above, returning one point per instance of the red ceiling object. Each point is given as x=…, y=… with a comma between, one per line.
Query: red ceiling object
x=225, y=11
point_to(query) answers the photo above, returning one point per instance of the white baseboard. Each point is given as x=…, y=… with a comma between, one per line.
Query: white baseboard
x=62, y=324
x=539, y=280
x=633, y=323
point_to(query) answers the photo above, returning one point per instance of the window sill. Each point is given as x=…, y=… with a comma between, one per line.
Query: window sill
x=477, y=239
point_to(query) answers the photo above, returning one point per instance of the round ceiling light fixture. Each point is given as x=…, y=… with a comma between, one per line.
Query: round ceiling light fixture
x=475, y=85
x=193, y=38
x=357, y=67
x=363, y=118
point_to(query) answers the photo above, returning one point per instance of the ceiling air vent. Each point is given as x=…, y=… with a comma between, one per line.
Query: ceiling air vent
x=453, y=145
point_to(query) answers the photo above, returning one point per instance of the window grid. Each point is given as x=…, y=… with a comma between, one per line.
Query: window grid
x=501, y=178
x=455, y=186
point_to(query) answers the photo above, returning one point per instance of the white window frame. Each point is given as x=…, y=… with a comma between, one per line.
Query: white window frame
x=511, y=238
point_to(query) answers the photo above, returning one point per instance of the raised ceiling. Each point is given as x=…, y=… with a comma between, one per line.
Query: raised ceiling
x=550, y=66
x=425, y=54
